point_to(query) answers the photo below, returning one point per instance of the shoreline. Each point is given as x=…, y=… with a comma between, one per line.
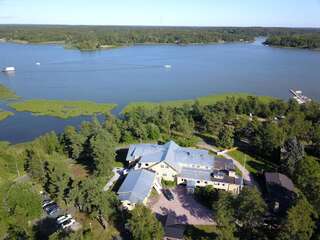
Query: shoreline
x=287, y=47
x=109, y=47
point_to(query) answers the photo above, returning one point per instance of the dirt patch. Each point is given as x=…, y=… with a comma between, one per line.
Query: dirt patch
x=79, y=171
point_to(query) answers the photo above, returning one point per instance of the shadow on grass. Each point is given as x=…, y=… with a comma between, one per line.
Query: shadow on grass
x=193, y=232
x=44, y=228
x=207, y=139
x=121, y=156
x=261, y=164
x=118, y=183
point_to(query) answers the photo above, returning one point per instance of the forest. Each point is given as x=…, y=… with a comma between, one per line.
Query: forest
x=73, y=166
x=96, y=37
x=307, y=41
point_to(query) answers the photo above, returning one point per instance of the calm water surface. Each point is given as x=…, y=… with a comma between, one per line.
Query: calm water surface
x=137, y=74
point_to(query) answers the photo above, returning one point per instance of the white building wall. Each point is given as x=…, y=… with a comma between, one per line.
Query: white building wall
x=164, y=171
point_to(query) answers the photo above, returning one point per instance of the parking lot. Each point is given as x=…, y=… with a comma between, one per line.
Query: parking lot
x=186, y=209
x=53, y=212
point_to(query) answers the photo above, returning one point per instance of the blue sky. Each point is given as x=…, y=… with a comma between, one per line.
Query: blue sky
x=289, y=13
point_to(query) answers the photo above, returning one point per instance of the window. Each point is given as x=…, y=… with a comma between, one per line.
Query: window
x=206, y=182
x=198, y=181
x=164, y=174
x=162, y=166
x=146, y=164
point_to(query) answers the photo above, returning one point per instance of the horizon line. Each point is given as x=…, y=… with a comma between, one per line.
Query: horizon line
x=168, y=26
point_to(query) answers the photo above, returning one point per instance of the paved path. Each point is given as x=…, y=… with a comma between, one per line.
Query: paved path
x=184, y=207
x=247, y=177
x=117, y=174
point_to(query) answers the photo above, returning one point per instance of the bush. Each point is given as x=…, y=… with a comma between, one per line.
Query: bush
x=206, y=195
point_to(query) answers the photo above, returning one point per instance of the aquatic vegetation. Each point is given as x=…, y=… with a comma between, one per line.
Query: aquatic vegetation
x=207, y=100
x=4, y=115
x=62, y=109
x=6, y=93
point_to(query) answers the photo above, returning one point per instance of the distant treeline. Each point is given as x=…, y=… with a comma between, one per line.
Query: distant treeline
x=95, y=37
x=310, y=40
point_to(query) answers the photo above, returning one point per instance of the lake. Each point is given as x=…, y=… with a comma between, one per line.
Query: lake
x=137, y=73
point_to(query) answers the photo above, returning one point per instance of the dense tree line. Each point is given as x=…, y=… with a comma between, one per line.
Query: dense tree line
x=310, y=41
x=93, y=37
x=243, y=217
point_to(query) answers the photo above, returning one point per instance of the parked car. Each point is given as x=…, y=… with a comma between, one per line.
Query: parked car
x=67, y=223
x=47, y=202
x=53, y=211
x=63, y=218
x=50, y=206
x=168, y=194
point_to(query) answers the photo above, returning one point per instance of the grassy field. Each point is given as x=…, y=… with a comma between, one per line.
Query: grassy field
x=200, y=232
x=11, y=162
x=62, y=109
x=7, y=94
x=207, y=100
x=252, y=164
x=4, y=115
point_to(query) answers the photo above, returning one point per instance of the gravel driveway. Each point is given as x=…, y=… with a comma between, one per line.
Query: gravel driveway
x=186, y=209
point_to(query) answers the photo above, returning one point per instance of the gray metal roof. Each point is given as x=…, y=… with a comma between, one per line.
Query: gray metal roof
x=136, y=186
x=223, y=164
x=138, y=150
x=279, y=179
x=172, y=154
x=195, y=174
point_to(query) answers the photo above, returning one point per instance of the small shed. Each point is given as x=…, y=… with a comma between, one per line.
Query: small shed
x=280, y=190
x=173, y=229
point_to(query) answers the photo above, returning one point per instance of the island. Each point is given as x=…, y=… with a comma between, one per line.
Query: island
x=304, y=41
x=7, y=94
x=5, y=114
x=62, y=109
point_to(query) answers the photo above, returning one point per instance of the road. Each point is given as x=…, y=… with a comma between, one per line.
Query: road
x=117, y=174
x=247, y=177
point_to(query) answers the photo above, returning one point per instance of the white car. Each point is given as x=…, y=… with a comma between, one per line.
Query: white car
x=63, y=218
x=67, y=223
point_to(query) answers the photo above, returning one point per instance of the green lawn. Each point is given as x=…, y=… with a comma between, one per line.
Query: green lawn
x=4, y=115
x=62, y=109
x=11, y=162
x=207, y=100
x=6, y=93
x=252, y=164
x=200, y=231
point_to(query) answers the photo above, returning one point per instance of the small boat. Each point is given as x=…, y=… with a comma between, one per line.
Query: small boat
x=167, y=66
x=38, y=64
x=9, y=69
